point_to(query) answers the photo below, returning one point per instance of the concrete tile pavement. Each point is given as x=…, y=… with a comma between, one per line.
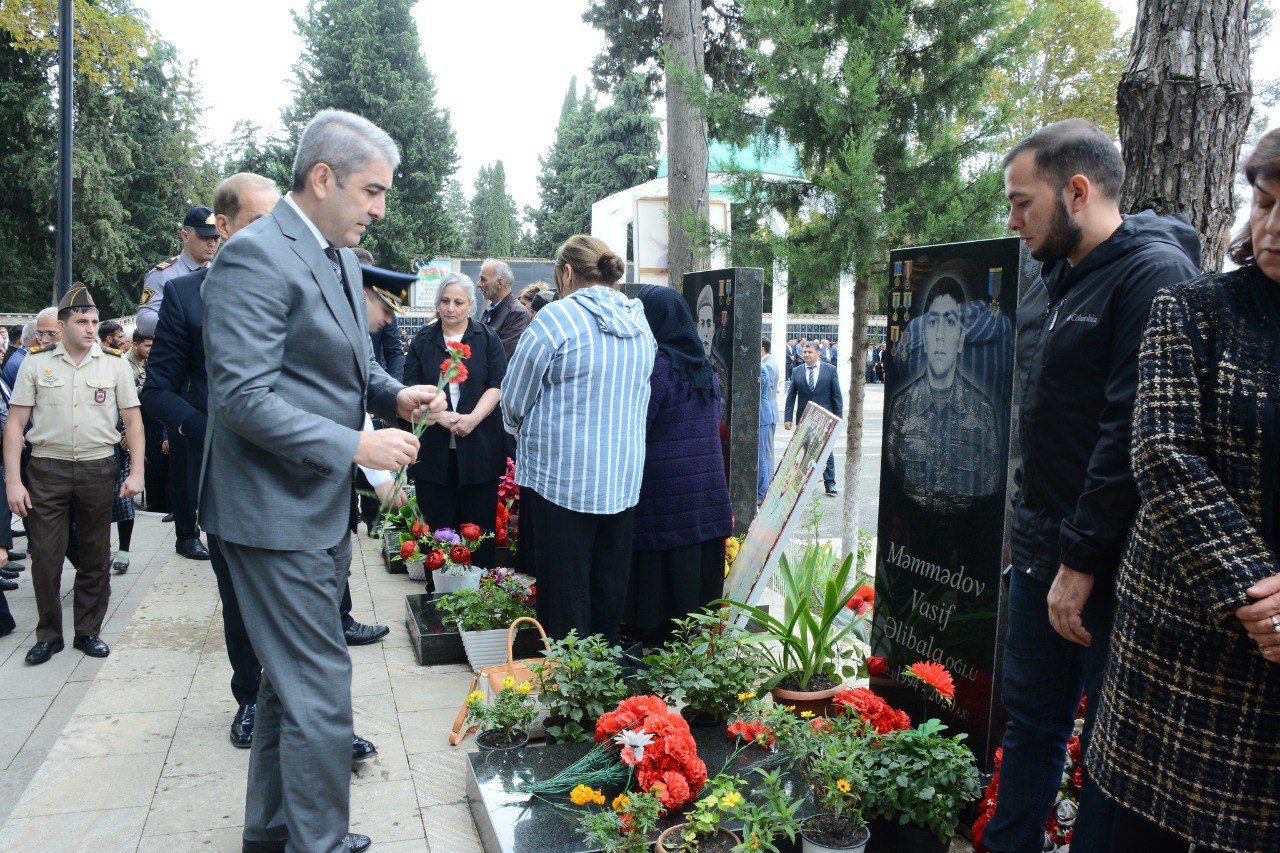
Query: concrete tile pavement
x=130, y=753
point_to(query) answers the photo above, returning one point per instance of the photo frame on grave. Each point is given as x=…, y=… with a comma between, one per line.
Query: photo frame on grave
x=798, y=474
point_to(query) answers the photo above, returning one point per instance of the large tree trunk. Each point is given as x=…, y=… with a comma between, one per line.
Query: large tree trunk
x=686, y=138
x=1184, y=103
x=854, y=350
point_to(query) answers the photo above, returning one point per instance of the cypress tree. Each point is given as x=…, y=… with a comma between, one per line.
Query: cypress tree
x=553, y=221
x=364, y=56
x=494, y=226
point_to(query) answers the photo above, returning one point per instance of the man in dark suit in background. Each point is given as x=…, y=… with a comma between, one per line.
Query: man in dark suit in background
x=817, y=383
x=177, y=394
x=505, y=314
x=388, y=349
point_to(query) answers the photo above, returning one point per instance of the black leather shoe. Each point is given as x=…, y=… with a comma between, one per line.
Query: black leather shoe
x=832, y=492
x=361, y=750
x=120, y=566
x=354, y=842
x=8, y=585
x=167, y=518
x=92, y=646
x=362, y=635
x=242, y=726
x=357, y=843
x=192, y=549
x=42, y=651
x=11, y=566
x=17, y=555
x=6, y=573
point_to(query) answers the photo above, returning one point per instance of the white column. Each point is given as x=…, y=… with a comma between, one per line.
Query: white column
x=778, y=326
x=848, y=347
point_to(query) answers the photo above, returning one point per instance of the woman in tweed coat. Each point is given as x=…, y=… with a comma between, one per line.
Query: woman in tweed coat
x=1187, y=739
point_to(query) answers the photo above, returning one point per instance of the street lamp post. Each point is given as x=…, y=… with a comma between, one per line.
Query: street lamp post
x=63, y=237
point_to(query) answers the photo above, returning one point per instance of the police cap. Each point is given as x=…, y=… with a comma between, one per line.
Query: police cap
x=388, y=285
x=202, y=220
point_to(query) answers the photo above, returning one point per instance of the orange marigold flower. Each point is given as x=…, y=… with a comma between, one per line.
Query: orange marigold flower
x=936, y=676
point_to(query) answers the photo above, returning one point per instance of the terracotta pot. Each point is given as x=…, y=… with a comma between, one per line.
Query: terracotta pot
x=817, y=701
x=674, y=834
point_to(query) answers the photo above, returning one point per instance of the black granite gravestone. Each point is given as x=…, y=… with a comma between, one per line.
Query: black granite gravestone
x=727, y=307
x=436, y=643
x=512, y=822
x=942, y=518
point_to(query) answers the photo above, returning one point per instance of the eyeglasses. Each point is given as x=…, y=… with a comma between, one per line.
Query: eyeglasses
x=43, y=336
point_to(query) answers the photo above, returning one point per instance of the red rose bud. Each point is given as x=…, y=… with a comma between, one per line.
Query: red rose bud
x=435, y=560
x=420, y=529
x=470, y=532
x=408, y=550
x=877, y=665
x=460, y=554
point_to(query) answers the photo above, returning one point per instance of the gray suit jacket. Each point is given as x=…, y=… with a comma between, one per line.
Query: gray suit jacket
x=291, y=373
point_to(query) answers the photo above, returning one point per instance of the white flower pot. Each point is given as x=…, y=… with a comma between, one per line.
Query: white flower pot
x=417, y=569
x=454, y=580
x=485, y=648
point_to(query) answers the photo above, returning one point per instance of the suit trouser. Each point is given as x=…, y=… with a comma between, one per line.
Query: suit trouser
x=246, y=671
x=184, y=474
x=764, y=461
x=829, y=472
x=300, y=767
x=156, y=473
x=56, y=486
x=584, y=564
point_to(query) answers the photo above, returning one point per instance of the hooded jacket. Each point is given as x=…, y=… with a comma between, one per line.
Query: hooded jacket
x=577, y=395
x=1079, y=329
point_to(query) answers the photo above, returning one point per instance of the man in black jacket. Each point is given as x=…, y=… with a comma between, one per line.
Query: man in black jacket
x=1079, y=329
x=817, y=382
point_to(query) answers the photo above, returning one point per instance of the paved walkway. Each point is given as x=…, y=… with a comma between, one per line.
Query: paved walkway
x=130, y=753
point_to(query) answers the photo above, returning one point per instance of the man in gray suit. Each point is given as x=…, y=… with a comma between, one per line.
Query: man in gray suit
x=291, y=374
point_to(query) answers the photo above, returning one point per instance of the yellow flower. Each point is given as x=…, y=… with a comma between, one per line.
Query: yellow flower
x=475, y=696
x=621, y=803
x=745, y=697
x=844, y=786
x=581, y=795
x=524, y=687
x=806, y=715
x=755, y=842
x=730, y=800
x=508, y=683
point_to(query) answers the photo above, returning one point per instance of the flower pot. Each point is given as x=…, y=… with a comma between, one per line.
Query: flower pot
x=817, y=701
x=484, y=648
x=703, y=720
x=454, y=580
x=825, y=832
x=492, y=740
x=884, y=835
x=417, y=569
x=917, y=839
x=722, y=842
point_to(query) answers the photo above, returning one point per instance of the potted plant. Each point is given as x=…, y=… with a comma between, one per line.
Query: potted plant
x=804, y=647
x=447, y=552
x=767, y=814
x=625, y=826
x=580, y=679
x=922, y=779
x=483, y=615
x=707, y=665
x=702, y=831
x=504, y=722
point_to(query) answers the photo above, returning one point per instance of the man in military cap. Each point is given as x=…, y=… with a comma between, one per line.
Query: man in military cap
x=199, y=235
x=76, y=390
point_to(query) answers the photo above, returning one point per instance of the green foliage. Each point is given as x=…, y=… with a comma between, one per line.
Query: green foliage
x=581, y=679
x=706, y=665
x=496, y=604
x=365, y=56
x=511, y=712
x=718, y=802
x=768, y=813
x=921, y=776
x=596, y=153
x=625, y=827
x=494, y=225
x=815, y=628
x=111, y=38
x=247, y=152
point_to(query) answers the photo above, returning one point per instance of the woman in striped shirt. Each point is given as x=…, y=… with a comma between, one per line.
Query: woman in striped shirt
x=576, y=395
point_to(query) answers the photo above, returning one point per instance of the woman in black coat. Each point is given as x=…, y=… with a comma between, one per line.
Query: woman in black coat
x=461, y=458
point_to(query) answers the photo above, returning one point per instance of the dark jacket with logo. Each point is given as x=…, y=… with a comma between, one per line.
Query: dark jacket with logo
x=1079, y=329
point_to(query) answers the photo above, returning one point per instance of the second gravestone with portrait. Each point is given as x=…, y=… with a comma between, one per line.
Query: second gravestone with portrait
x=945, y=477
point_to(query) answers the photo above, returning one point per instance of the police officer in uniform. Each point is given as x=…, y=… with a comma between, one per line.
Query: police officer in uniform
x=73, y=393
x=200, y=238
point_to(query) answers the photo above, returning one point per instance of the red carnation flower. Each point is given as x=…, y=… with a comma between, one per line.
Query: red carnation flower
x=420, y=528
x=470, y=532
x=460, y=554
x=936, y=676
x=435, y=560
x=459, y=346
x=867, y=593
x=873, y=710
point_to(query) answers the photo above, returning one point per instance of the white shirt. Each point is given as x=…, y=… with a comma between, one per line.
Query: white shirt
x=324, y=244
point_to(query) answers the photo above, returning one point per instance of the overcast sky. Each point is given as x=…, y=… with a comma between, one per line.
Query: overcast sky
x=501, y=69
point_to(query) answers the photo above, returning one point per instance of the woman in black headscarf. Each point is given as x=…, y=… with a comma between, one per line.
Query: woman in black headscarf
x=683, y=516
